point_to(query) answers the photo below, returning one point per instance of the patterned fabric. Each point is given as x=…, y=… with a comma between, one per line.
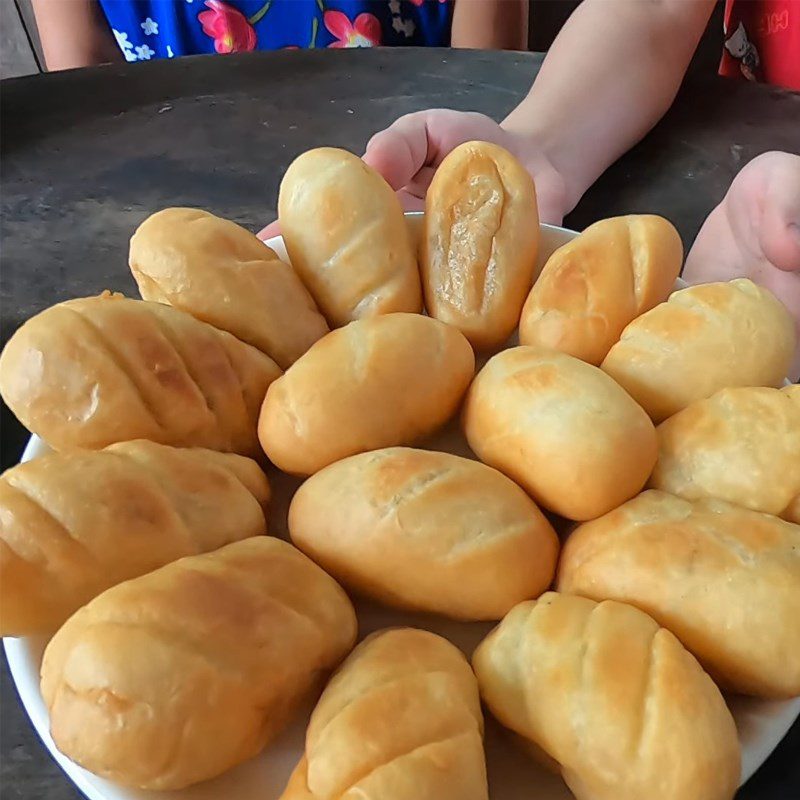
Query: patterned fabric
x=146, y=29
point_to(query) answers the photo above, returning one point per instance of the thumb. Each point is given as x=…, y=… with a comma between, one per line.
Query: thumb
x=400, y=151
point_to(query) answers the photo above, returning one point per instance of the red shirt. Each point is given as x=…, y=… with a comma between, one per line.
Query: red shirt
x=762, y=41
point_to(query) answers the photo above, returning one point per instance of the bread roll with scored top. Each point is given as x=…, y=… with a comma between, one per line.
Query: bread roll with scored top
x=703, y=339
x=560, y=428
x=479, y=247
x=346, y=236
x=616, y=700
x=222, y=274
x=87, y=373
x=426, y=531
x=74, y=524
x=377, y=382
x=741, y=445
x=592, y=287
x=400, y=720
x=175, y=677
x=724, y=580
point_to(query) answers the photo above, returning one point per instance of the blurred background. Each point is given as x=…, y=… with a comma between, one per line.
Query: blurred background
x=21, y=54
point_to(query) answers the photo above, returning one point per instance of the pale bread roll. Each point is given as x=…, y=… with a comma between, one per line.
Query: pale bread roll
x=90, y=372
x=593, y=286
x=224, y=275
x=400, y=720
x=346, y=236
x=560, y=428
x=792, y=513
x=177, y=676
x=478, y=255
x=724, y=580
x=703, y=339
x=741, y=445
x=74, y=524
x=625, y=710
x=425, y=531
x=377, y=382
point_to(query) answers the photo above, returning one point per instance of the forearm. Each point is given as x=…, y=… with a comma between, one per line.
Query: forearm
x=611, y=74
x=490, y=24
x=74, y=33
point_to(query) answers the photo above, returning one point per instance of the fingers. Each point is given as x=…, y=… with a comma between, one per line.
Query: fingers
x=273, y=229
x=402, y=150
x=780, y=222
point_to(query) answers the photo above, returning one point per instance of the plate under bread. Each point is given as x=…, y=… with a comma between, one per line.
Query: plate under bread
x=512, y=774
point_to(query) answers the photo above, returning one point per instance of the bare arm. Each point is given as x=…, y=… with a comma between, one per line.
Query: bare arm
x=611, y=74
x=74, y=33
x=490, y=24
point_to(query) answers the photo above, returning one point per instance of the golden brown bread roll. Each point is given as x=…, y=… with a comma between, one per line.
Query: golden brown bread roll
x=792, y=513
x=174, y=677
x=724, y=580
x=224, y=275
x=73, y=524
x=592, y=287
x=481, y=238
x=425, y=531
x=703, y=339
x=624, y=709
x=378, y=382
x=560, y=428
x=400, y=720
x=741, y=445
x=346, y=236
x=99, y=370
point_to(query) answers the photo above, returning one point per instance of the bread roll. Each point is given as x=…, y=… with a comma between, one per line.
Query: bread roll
x=73, y=524
x=480, y=242
x=174, y=677
x=425, y=531
x=724, y=580
x=741, y=445
x=378, y=382
x=222, y=274
x=617, y=701
x=345, y=234
x=703, y=339
x=400, y=720
x=792, y=513
x=90, y=372
x=560, y=428
x=592, y=287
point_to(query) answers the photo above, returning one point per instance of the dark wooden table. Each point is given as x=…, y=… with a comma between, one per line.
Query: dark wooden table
x=86, y=155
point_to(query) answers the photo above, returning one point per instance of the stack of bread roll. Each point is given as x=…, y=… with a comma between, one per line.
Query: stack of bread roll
x=655, y=419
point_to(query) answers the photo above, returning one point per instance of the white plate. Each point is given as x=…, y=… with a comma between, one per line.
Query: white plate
x=512, y=775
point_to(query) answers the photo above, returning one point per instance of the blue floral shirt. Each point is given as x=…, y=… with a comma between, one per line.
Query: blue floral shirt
x=146, y=29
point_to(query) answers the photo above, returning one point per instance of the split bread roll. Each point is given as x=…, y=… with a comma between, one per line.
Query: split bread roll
x=91, y=372
x=346, y=236
x=222, y=274
x=592, y=287
x=174, y=677
x=703, y=339
x=724, y=580
x=400, y=720
x=425, y=531
x=74, y=524
x=377, y=382
x=623, y=708
x=741, y=445
x=561, y=429
x=481, y=238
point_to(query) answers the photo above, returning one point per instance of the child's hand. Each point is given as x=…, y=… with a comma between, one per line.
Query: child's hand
x=755, y=232
x=408, y=152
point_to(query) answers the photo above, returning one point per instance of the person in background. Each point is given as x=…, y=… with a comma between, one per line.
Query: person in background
x=611, y=74
x=79, y=33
